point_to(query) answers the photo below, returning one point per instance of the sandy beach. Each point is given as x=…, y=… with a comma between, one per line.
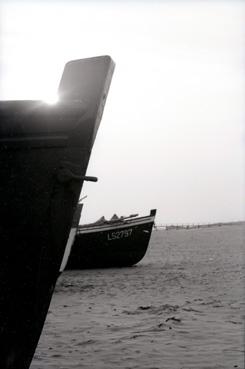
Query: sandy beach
x=181, y=307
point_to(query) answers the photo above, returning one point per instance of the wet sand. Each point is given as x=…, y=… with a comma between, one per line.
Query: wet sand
x=181, y=307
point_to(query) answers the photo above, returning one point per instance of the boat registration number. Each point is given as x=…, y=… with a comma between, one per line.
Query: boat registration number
x=119, y=234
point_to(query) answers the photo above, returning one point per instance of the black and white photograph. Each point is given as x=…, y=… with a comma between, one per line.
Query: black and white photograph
x=122, y=184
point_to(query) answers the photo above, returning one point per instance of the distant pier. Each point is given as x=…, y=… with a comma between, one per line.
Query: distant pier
x=168, y=227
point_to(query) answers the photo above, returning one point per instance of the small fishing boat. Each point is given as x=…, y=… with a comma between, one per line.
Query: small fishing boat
x=119, y=242
x=44, y=154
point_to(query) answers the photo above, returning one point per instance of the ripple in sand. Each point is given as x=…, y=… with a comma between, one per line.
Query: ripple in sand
x=166, y=308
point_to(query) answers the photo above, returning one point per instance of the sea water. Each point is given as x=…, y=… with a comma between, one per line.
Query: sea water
x=181, y=307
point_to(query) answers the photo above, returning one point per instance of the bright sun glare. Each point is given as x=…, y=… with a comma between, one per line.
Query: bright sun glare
x=51, y=100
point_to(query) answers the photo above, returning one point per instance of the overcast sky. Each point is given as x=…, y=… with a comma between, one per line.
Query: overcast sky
x=172, y=134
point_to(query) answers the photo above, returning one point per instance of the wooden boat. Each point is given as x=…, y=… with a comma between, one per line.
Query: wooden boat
x=119, y=242
x=44, y=154
x=72, y=235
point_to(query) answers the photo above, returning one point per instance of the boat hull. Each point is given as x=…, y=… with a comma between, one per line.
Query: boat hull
x=44, y=154
x=113, y=246
x=34, y=230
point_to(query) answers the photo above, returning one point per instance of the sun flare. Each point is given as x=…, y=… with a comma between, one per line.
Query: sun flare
x=51, y=100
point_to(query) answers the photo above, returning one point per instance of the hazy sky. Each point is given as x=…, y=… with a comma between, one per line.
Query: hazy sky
x=172, y=133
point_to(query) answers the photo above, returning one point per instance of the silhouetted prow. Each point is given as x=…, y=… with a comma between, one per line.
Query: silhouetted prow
x=44, y=154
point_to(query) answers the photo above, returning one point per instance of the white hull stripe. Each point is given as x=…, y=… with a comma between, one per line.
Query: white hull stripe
x=68, y=248
x=112, y=227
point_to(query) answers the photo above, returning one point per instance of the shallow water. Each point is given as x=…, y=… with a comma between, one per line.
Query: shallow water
x=181, y=307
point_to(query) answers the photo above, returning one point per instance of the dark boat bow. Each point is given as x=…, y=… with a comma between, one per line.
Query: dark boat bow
x=44, y=154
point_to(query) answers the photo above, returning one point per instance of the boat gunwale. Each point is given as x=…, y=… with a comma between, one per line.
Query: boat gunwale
x=116, y=225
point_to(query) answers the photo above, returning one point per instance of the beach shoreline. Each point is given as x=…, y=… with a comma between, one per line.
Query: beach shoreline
x=181, y=307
